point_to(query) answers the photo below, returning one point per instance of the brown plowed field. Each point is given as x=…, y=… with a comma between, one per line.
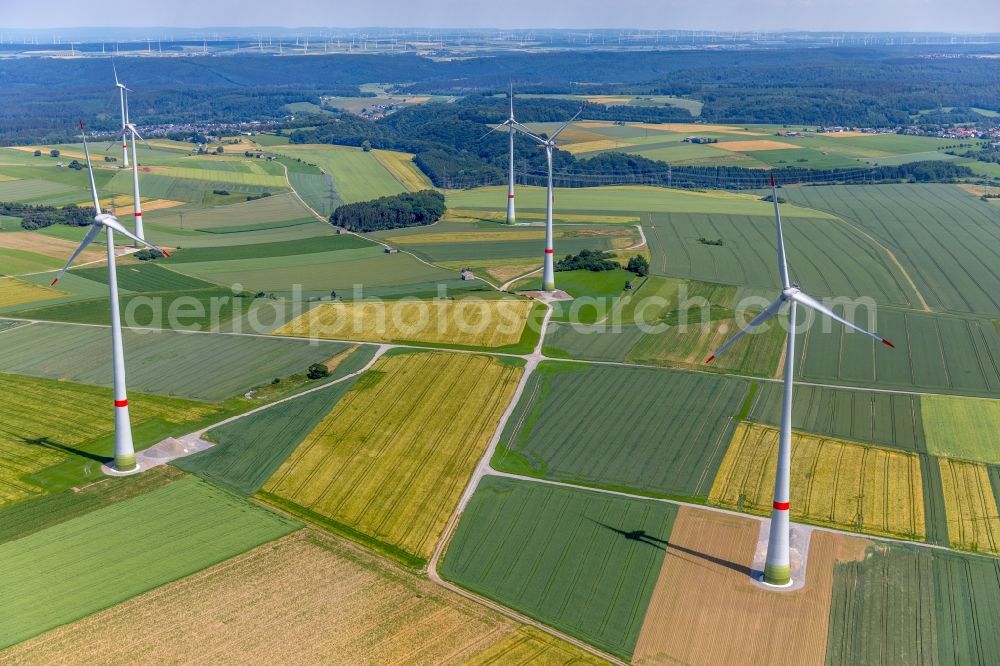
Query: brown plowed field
x=706, y=610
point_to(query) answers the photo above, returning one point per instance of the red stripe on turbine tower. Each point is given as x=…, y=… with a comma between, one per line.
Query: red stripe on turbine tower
x=549, y=250
x=510, y=196
x=782, y=506
x=138, y=214
x=121, y=403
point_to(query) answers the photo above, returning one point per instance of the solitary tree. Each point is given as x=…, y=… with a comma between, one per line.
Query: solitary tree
x=38, y=153
x=53, y=153
x=317, y=371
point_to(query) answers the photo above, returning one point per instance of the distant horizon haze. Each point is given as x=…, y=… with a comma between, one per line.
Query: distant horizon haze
x=893, y=16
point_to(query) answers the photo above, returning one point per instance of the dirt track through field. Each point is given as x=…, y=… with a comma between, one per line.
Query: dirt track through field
x=305, y=599
x=706, y=610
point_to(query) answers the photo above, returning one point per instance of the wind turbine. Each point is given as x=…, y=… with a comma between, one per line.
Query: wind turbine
x=548, y=272
x=509, y=124
x=135, y=183
x=124, y=450
x=777, y=567
x=123, y=96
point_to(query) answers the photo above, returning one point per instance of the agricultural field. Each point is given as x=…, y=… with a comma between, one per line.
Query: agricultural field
x=971, y=506
x=625, y=200
x=232, y=176
x=388, y=463
x=591, y=342
x=45, y=451
x=402, y=168
x=743, y=145
x=704, y=586
x=357, y=175
x=249, y=450
x=91, y=562
x=915, y=606
x=159, y=362
x=962, y=427
x=583, y=562
x=341, y=271
x=364, y=610
x=470, y=322
x=657, y=432
x=19, y=262
x=944, y=238
x=933, y=354
x=18, y=292
x=828, y=257
x=262, y=250
x=144, y=277
x=894, y=420
x=834, y=482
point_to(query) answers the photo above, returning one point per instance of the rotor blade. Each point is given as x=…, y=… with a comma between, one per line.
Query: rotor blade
x=512, y=100
x=88, y=237
x=524, y=130
x=111, y=222
x=766, y=314
x=558, y=131
x=135, y=133
x=115, y=70
x=492, y=130
x=810, y=302
x=90, y=171
x=782, y=264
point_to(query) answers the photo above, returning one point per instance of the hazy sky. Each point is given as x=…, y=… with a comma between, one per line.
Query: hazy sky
x=854, y=15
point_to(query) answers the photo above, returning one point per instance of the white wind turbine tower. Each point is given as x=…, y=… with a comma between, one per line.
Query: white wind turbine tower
x=777, y=567
x=124, y=450
x=548, y=271
x=509, y=124
x=123, y=96
x=135, y=182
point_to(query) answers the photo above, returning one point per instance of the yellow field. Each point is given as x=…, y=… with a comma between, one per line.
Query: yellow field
x=970, y=506
x=32, y=439
x=308, y=598
x=15, y=292
x=532, y=646
x=402, y=168
x=392, y=458
x=760, y=144
x=466, y=321
x=834, y=482
x=597, y=144
x=72, y=154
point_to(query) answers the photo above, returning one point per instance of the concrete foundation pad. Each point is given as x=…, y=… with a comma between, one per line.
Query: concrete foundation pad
x=798, y=552
x=548, y=296
x=161, y=453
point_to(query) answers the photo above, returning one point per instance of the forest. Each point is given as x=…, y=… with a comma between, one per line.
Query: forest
x=409, y=209
x=874, y=86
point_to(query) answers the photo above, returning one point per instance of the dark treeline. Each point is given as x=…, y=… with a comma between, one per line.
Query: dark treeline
x=402, y=210
x=829, y=86
x=452, y=147
x=38, y=217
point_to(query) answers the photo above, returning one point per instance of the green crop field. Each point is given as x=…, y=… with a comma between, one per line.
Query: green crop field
x=221, y=175
x=119, y=551
x=945, y=237
x=583, y=562
x=659, y=432
x=249, y=450
x=274, y=209
x=320, y=273
x=621, y=199
x=389, y=462
x=190, y=365
x=934, y=353
x=885, y=419
x=23, y=518
x=144, y=277
x=47, y=450
x=909, y=605
x=32, y=190
x=357, y=175
x=826, y=256
x=596, y=343
x=16, y=262
x=264, y=250
x=317, y=190
x=962, y=427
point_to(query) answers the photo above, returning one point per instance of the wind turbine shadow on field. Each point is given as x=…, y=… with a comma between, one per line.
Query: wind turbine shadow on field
x=642, y=536
x=45, y=442
x=741, y=569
